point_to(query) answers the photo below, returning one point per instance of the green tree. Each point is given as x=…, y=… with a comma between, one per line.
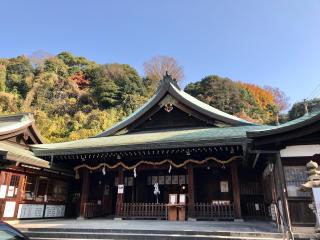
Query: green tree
x=2, y=78
x=298, y=109
x=9, y=103
x=112, y=83
x=19, y=75
x=247, y=101
x=221, y=93
x=75, y=64
x=57, y=66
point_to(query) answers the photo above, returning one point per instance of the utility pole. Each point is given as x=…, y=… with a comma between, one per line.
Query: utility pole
x=305, y=103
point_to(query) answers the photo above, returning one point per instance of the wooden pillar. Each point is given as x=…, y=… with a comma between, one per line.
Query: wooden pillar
x=283, y=197
x=191, y=193
x=120, y=196
x=236, y=190
x=84, y=191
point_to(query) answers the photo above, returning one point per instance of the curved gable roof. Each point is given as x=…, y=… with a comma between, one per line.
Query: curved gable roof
x=169, y=86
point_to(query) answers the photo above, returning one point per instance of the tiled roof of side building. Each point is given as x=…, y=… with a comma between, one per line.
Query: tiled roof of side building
x=21, y=155
x=12, y=122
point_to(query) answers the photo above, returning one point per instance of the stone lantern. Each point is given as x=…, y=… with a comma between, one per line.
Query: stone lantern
x=313, y=185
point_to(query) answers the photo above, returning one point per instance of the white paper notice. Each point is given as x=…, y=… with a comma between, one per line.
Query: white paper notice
x=9, y=209
x=3, y=191
x=224, y=186
x=182, y=198
x=120, y=189
x=257, y=207
x=316, y=195
x=173, y=198
x=10, y=191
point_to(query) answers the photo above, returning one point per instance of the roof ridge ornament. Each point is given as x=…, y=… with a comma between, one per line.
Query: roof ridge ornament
x=167, y=79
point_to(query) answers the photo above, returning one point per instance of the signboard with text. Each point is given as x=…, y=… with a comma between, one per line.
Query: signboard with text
x=120, y=189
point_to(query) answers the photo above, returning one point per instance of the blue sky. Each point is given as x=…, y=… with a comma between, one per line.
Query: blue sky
x=274, y=42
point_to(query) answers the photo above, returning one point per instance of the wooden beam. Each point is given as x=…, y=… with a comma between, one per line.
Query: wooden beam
x=236, y=190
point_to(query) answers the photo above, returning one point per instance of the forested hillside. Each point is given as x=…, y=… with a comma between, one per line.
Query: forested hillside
x=73, y=97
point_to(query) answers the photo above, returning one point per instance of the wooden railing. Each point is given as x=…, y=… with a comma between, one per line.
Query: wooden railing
x=209, y=211
x=142, y=210
x=92, y=210
x=256, y=210
x=201, y=211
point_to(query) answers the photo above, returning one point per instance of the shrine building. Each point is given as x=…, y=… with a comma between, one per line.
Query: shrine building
x=177, y=152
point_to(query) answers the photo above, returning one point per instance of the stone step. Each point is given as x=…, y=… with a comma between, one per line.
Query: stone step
x=52, y=234
x=35, y=238
x=154, y=231
x=134, y=236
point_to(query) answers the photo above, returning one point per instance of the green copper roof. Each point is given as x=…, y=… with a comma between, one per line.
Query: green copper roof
x=283, y=128
x=148, y=140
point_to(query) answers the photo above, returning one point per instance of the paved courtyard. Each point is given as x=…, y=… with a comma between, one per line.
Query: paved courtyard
x=210, y=226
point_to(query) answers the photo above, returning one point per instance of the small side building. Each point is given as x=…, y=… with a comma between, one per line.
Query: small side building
x=289, y=147
x=30, y=187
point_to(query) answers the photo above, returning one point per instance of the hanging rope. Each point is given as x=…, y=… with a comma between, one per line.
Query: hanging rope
x=154, y=164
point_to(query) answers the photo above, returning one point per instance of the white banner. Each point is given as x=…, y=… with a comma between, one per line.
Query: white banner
x=30, y=211
x=54, y=211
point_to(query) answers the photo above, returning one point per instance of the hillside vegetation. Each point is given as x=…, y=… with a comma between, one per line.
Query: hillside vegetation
x=73, y=97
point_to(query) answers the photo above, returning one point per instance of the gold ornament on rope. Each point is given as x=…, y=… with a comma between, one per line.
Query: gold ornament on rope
x=153, y=163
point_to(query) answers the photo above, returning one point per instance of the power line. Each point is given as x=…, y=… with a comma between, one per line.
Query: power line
x=315, y=92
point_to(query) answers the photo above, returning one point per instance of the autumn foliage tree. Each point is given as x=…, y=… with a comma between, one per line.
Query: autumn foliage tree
x=244, y=100
x=80, y=79
x=279, y=97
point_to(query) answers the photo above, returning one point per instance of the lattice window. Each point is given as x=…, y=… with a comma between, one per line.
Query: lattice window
x=13, y=186
x=30, y=187
x=295, y=176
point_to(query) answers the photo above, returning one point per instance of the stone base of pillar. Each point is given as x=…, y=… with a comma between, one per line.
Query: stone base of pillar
x=117, y=218
x=80, y=218
x=191, y=219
